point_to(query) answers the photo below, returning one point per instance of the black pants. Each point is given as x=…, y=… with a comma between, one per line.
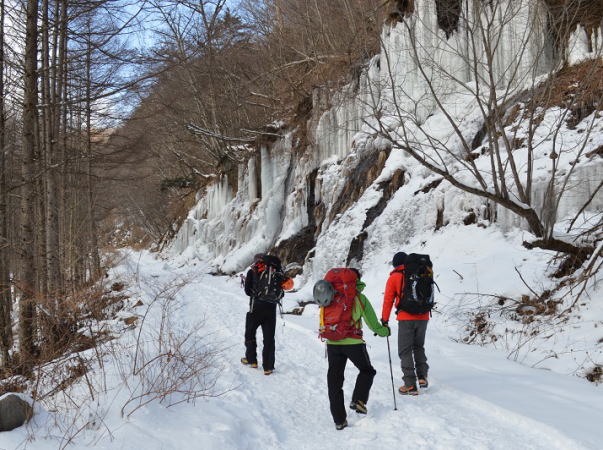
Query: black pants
x=264, y=315
x=338, y=356
x=411, y=349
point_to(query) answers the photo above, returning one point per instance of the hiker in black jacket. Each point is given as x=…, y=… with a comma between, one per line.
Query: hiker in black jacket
x=264, y=285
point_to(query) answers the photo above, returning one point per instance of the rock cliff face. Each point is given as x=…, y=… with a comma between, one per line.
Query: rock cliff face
x=568, y=16
x=333, y=185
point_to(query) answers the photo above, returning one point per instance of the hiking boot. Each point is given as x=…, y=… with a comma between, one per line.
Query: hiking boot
x=341, y=426
x=423, y=383
x=408, y=390
x=268, y=372
x=359, y=406
x=247, y=363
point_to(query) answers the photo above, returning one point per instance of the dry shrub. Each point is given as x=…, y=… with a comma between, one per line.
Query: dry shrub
x=167, y=363
x=10, y=383
x=69, y=323
x=158, y=362
x=578, y=88
x=479, y=329
x=312, y=44
x=595, y=375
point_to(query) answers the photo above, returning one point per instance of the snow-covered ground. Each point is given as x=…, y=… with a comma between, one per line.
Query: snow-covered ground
x=478, y=398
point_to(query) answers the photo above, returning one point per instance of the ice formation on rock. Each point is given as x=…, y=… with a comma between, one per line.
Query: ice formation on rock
x=299, y=187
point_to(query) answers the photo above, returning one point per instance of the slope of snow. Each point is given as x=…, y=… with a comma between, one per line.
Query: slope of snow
x=477, y=398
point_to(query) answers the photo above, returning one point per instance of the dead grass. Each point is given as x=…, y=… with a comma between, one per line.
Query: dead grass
x=595, y=375
x=10, y=383
x=577, y=88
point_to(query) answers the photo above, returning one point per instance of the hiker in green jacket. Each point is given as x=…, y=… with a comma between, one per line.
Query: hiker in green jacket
x=347, y=343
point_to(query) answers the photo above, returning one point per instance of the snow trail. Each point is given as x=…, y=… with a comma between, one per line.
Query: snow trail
x=478, y=399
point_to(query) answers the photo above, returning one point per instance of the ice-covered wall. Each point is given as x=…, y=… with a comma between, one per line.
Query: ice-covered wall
x=419, y=60
x=582, y=46
x=581, y=187
x=230, y=228
x=350, y=108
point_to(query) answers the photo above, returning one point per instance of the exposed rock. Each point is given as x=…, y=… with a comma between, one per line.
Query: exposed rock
x=439, y=218
x=596, y=152
x=388, y=187
x=470, y=219
x=565, y=16
x=397, y=10
x=296, y=248
x=356, y=251
x=434, y=184
x=311, y=202
x=361, y=177
x=449, y=14
x=14, y=412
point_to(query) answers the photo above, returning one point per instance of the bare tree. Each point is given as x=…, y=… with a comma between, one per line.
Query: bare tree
x=5, y=290
x=59, y=92
x=26, y=281
x=492, y=55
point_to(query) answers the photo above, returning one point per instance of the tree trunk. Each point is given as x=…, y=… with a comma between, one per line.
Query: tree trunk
x=27, y=276
x=5, y=290
x=92, y=231
x=51, y=217
x=61, y=114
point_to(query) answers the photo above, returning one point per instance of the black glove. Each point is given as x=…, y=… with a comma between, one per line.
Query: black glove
x=384, y=323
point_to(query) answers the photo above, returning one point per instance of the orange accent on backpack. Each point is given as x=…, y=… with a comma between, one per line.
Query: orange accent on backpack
x=287, y=285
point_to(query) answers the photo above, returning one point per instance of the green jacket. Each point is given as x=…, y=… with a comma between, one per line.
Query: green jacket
x=364, y=309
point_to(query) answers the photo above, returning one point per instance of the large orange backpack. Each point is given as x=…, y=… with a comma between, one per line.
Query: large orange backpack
x=336, y=320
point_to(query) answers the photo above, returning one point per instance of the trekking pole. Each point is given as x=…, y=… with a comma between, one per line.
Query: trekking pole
x=391, y=372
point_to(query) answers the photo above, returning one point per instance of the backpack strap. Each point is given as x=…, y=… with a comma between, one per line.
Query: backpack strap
x=402, y=271
x=434, y=282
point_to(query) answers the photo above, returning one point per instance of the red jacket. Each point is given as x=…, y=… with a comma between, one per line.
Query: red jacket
x=393, y=289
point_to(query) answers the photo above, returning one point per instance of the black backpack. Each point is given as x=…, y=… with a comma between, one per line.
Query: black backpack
x=269, y=277
x=418, y=295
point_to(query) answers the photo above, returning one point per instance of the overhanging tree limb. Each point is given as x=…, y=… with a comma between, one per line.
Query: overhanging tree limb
x=194, y=129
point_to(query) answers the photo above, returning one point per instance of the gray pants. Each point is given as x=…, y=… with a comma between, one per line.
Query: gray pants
x=411, y=341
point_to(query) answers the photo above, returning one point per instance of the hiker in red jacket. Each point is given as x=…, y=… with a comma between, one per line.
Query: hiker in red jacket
x=411, y=331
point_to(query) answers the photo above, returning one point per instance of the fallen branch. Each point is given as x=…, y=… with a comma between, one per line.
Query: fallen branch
x=526, y=284
x=558, y=246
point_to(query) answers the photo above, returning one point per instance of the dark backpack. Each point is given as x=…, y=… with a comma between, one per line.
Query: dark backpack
x=269, y=277
x=336, y=320
x=418, y=295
